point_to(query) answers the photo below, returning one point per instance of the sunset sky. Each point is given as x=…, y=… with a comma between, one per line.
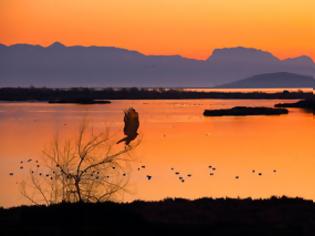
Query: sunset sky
x=192, y=28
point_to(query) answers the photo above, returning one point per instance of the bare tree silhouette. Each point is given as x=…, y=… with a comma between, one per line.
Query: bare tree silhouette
x=92, y=168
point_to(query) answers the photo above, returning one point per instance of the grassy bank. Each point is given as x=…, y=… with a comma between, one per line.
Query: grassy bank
x=275, y=216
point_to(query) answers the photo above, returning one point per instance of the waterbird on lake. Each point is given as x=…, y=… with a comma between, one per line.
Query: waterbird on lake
x=149, y=177
x=237, y=177
x=176, y=173
x=259, y=174
x=189, y=175
x=143, y=167
x=131, y=120
x=11, y=174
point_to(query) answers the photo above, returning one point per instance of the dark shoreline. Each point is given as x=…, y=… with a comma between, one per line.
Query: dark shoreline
x=49, y=94
x=205, y=216
x=246, y=111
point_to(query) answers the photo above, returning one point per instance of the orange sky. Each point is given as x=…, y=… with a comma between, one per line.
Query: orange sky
x=191, y=28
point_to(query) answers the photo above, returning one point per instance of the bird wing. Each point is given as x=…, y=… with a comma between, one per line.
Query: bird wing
x=131, y=120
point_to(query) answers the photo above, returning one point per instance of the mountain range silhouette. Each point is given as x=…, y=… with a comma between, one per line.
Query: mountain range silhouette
x=60, y=66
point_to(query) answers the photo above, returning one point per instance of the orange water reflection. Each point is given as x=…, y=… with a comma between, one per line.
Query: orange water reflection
x=175, y=134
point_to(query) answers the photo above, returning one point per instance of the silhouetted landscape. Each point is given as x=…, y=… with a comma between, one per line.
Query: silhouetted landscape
x=205, y=216
x=50, y=94
x=157, y=118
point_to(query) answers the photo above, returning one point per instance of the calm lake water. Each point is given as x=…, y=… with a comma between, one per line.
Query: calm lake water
x=175, y=135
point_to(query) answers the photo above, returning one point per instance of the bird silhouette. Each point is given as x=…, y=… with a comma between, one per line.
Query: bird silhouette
x=131, y=120
x=149, y=177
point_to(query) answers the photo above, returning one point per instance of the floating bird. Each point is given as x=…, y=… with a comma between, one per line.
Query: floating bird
x=21, y=167
x=131, y=121
x=274, y=171
x=259, y=174
x=11, y=174
x=143, y=167
x=172, y=168
x=114, y=167
x=176, y=173
x=211, y=174
x=138, y=168
x=189, y=175
x=124, y=174
x=21, y=162
x=253, y=171
x=237, y=177
x=149, y=177
x=213, y=169
x=29, y=160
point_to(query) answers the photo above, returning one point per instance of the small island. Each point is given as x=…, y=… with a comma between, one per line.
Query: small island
x=308, y=104
x=82, y=101
x=246, y=111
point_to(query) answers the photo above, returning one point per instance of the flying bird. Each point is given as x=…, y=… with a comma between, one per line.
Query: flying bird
x=131, y=121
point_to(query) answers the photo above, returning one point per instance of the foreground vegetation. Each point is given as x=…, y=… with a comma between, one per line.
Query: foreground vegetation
x=275, y=216
x=49, y=94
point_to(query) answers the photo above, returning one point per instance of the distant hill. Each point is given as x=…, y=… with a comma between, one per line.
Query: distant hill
x=273, y=80
x=61, y=66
